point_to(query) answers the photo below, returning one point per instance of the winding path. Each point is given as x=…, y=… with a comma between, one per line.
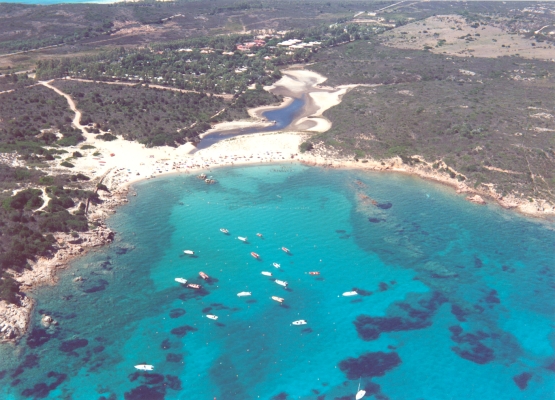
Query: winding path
x=77, y=119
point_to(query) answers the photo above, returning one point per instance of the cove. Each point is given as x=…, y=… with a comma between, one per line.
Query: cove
x=455, y=300
x=283, y=117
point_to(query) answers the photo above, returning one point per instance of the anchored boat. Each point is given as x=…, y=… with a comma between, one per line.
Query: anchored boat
x=189, y=252
x=145, y=367
x=266, y=273
x=242, y=239
x=259, y=234
x=282, y=283
x=353, y=293
x=276, y=265
x=314, y=273
x=214, y=317
x=223, y=230
x=183, y=281
x=255, y=255
x=300, y=322
x=278, y=299
x=242, y=294
x=193, y=286
x=286, y=250
x=203, y=275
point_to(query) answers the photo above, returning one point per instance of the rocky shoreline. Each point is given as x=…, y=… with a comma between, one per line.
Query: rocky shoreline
x=15, y=319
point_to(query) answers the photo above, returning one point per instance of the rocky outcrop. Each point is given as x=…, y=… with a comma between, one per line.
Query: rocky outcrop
x=15, y=319
x=476, y=199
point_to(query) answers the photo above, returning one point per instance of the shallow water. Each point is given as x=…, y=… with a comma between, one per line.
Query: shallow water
x=282, y=117
x=455, y=299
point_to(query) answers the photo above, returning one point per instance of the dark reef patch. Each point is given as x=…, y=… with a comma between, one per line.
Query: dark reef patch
x=92, y=286
x=478, y=263
x=383, y=286
x=173, y=357
x=362, y=292
x=37, y=337
x=166, y=344
x=375, y=220
x=177, y=312
x=458, y=312
x=521, y=380
x=384, y=206
x=74, y=344
x=182, y=330
x=369, y=364
x=410, y=318
x=98, y=349
x=30, y=361
x=42, y=390
x=174, y=382
x=3, y=374
x=280, y=396
x=143, y=392
x=206, y=310
x=471, y=346
x=492, y=297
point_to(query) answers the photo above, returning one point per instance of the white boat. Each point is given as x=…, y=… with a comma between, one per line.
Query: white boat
x=266, y=273
x=223, y=230
x=278, y=299
x=145, y=367
x=242, y=294
x=276, y=265
x=360, y=393
x=353, y=293
x=181, y=280
x=189, y=252
x=300, y=322
x=282, y=283
x=242, y=239
x=259, y=234
x=286, y=250
x=214, y=317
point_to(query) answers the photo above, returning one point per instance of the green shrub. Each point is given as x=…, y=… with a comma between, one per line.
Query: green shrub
x=108, y=137
x=67, y=164
x=306, y=146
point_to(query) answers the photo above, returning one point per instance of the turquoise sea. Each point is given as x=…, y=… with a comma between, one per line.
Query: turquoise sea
x=456, y=300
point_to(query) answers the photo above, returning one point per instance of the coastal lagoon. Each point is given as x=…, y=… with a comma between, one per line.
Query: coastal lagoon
x=282, y=118
x=454, y=301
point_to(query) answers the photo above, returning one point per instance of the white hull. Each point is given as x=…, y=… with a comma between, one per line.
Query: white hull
x=242, y=294
x=360, y=394
x=144, y=367
x=214, y=317
x=282, y=283
x=189, y=252
x=299, y=322
x=276, y=265
x=266, y=273
x=181, y=280
x=278, y=299
x=242, y=239
x=353, y=293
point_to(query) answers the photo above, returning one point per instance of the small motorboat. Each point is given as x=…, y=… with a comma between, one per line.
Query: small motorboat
x=360, y=393
x=203, y=275
x=214, y=317
x=266, y=273
x=193, y=286
x=300, y=322
x=314, y=273
x=144, y=367
x=286, y=250
x=242, y=239
x=352, y=293
x=282, y=283
x=183, y=281
x=243, y=294
x=189, y=252
x=259, y=234
x=223, y=230
x=255, y=255
x=276, y=265
x=278, y=299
